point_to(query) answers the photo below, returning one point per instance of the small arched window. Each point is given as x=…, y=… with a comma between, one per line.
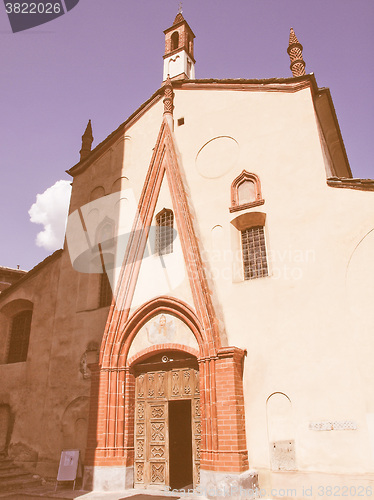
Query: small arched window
x=19, y=337
x=174, y=40
x=105, y=233
x=164, y=231
x=96, y=193
x=245, y=192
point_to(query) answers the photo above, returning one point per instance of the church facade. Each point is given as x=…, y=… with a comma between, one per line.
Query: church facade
x=235, y=350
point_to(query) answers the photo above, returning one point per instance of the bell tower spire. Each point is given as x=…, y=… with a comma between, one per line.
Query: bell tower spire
x=179, y=62
x=295, y=51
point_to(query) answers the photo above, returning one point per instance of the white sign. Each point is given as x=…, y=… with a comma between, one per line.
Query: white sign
x=68, y=468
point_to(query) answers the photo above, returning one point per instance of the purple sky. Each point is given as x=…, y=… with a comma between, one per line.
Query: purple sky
x=104, y=58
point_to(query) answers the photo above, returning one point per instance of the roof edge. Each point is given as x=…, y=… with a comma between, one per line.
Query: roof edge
x=299, y=83
x=351, y=183
x=95, y=153
x=329, y=122
x=51, y=258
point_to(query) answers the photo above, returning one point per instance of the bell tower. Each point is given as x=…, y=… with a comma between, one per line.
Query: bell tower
x=179, y=62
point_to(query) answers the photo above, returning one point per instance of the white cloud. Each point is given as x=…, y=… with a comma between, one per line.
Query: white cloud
x=51, y=210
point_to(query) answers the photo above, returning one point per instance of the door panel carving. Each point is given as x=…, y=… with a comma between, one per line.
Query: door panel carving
x=153, y=391
x=161, y=390
x=175, y=383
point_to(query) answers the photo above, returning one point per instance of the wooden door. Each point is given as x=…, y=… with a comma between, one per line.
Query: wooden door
x=153, y=392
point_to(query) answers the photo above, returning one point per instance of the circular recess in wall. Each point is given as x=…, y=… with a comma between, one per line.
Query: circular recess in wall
x=217, y=157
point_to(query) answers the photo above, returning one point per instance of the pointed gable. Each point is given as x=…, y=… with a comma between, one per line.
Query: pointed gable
x=164, y=161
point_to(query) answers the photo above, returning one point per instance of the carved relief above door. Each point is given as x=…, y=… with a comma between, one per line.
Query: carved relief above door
x=167, y=423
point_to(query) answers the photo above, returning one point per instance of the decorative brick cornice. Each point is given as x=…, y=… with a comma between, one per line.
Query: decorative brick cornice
x=347, y=183
x=288, y=85
x=231, y=352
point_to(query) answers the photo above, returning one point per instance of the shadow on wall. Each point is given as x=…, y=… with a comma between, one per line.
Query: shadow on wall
x=74, y=425
x=6, y=427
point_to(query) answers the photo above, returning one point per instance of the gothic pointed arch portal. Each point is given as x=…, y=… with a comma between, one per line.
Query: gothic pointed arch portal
x=110, y=448
x=220, y=402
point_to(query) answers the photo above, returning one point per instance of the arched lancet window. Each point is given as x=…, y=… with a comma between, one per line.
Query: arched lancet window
x=105, y=233
x=19, y=337
x=164, y=231
x=245, y=192
x=174, y=40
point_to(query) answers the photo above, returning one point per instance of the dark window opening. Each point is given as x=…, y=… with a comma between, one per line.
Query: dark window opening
x=19, y=337
x=164, y=232
x=174, y=40
x=254, y=253
x=180, y=444
x=180, y=121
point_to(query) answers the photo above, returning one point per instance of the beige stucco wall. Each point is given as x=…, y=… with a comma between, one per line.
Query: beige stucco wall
x=296, y=323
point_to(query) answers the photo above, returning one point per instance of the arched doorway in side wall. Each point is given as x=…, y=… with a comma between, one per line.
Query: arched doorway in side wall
x=167, y=428
x=281, y=432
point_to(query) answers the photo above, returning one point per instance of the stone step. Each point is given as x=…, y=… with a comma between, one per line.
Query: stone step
x=18, y=483
x=12, y=472
x=5, y=462
x=45, y=493
x=14, y=478
x=33, y=496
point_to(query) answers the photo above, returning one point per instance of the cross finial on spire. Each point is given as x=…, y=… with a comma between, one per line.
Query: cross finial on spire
x=295, y=51
x=180, y=8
